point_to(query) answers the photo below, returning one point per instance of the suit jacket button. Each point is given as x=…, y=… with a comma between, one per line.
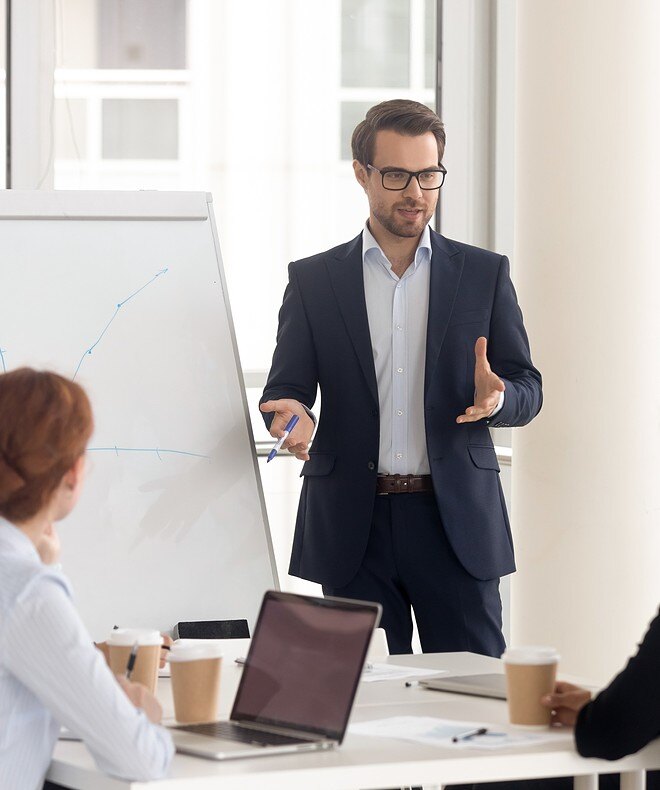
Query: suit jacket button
x=371, y=466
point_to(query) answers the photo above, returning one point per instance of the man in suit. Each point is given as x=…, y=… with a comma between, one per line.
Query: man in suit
x=417, y=344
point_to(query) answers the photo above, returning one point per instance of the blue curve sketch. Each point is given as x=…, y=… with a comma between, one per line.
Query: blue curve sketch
x=156, y=450
x=88, y=351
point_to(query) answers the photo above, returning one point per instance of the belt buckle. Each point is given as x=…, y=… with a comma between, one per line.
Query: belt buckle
x=402, y=483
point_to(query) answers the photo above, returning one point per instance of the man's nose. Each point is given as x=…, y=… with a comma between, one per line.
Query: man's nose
x=413, y=189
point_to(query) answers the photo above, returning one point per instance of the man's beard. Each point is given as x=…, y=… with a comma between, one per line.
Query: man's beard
x=399, y=227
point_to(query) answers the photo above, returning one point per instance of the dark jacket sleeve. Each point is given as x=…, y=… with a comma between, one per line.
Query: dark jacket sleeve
x=293, y=373
x=509, y=357
x=625, y=716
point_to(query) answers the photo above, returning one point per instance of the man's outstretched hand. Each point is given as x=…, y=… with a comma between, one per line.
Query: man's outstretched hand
x=487, y=387
x=297, y=442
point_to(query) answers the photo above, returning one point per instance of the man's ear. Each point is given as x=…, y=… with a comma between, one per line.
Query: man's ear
x=360, y=174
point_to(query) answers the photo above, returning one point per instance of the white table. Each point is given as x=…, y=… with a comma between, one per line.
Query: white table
x=365, y=763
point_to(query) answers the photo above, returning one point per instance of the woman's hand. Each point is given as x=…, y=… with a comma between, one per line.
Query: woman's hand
x=142, y=698
x=566, y=702
x=48, y=546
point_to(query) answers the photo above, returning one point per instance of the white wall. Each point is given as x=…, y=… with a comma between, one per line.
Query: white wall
x=586, y=492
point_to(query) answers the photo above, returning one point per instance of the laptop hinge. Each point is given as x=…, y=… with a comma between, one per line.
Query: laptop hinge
x=303, y=735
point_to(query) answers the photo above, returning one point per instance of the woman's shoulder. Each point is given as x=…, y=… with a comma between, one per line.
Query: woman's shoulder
x=22, y=576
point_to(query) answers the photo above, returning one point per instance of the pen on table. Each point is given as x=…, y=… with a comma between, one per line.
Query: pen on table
x=411, y=683
x=131, y=660
x=464, y=736
x=278, y=444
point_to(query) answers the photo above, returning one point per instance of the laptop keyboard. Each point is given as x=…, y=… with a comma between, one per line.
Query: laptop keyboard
x=232, y=732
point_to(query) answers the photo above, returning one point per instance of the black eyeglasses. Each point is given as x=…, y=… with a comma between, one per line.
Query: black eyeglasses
x=397, y=180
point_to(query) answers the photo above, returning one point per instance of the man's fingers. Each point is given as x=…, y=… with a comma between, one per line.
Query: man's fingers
x=268, y=406
x=497, y=383
x=480, y=348
x=479, y=411
x=298, y=447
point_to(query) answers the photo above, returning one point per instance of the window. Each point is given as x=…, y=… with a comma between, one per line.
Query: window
x=388, y=51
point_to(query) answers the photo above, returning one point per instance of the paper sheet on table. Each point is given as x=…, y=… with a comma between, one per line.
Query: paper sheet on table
x=439, y=732
x=397, y=672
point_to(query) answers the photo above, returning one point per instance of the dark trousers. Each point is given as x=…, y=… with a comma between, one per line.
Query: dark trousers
x=410, y=564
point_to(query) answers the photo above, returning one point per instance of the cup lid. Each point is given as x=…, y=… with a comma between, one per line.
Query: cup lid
x=121, y=637
x=530, y=654
x=183, y=650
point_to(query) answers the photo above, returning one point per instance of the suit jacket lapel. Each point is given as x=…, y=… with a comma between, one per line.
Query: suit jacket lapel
x=347, y=278
x=446, y=269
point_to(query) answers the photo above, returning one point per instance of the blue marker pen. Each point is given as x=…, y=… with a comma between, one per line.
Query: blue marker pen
x=278, y=444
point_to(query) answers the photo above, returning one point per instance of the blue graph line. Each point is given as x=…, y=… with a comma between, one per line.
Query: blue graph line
x=2, y=359
x=88, y=351
x=158, y=450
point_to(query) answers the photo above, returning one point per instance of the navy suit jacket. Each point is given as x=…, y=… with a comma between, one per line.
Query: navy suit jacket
x=323, y=339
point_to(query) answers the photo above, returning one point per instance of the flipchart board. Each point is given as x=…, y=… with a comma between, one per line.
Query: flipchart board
x=124, y=292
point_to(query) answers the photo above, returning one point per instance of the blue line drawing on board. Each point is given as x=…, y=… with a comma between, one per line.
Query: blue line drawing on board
x=88, y=351
x=157, y=450
x=2, y=359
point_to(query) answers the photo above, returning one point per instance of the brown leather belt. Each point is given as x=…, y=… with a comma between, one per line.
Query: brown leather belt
x=403, y=484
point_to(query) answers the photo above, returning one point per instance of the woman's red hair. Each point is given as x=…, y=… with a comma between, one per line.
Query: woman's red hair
x=45, y=424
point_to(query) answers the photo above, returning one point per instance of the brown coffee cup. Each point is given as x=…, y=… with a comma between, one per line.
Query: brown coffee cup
x=195, y=672
x=530, y=675
x=145, y=670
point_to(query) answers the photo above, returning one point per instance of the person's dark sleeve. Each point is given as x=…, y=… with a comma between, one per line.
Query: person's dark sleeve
x=510, y=358
x=625, y=716
x=293, y=373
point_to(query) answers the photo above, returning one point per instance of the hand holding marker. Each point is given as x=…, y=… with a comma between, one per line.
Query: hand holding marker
x=278, y=444
x=131, y=660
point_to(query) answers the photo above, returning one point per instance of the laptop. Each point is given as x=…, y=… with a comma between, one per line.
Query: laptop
x=298, y=684
x=487, y=685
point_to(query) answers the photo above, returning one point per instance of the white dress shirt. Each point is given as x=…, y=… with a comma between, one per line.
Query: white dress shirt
x=398, y=310
x=51, y=674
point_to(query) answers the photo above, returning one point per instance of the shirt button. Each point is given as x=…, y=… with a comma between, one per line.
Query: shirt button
x=399, y=412
x=399, y=456
x=371, y=466
x=399, y=370
x=399, y=327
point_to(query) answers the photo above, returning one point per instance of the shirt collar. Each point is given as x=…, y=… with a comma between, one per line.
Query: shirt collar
x=14, y=538
x=423, y=251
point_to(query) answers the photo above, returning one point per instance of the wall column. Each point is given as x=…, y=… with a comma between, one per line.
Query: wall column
x=586, y=473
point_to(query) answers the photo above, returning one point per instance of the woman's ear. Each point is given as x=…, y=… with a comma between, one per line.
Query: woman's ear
x=73, y=478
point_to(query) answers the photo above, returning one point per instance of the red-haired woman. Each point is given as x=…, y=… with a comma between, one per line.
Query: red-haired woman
x=50, y=671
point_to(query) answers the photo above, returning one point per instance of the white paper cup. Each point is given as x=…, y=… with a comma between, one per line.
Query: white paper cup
x=195, y=672
x=120, y=643
x=530, y=674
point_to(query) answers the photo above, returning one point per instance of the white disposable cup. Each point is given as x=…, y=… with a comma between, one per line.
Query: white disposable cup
x=530, y=674
x=195, y=672
x=145, y=670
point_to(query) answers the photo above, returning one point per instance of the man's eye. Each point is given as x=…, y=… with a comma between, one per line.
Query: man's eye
x=396, y=175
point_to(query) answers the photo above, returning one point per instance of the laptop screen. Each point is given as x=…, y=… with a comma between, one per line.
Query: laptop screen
x=304, y=664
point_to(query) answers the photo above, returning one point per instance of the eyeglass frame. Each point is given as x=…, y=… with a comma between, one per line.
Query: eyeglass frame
x=382, y=173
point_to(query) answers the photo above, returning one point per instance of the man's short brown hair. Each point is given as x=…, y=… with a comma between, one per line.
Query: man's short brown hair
x=399, y=115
